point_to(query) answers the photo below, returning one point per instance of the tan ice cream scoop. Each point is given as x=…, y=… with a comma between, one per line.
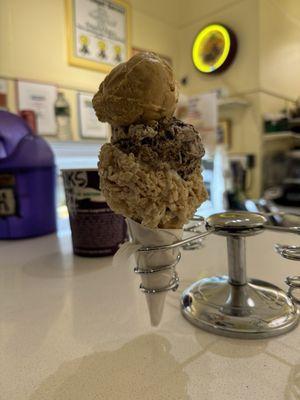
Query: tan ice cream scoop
x=137, y=91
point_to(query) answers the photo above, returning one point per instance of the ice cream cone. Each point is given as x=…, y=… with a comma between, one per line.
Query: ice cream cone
x=153, y=260
x=150, y=171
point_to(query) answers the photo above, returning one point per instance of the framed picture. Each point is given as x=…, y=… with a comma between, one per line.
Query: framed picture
x=89, y=126
x=224, y=132
x=136, y=50
x=98, y=33
x=40, y=98
x=201, y=111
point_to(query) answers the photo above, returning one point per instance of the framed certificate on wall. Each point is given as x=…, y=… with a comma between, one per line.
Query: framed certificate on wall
x=40, y=98
x=89, y=126
x=98, y=33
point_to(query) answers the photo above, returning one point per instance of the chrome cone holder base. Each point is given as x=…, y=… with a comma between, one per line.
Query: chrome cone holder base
x=252, y=311
x=235, y=306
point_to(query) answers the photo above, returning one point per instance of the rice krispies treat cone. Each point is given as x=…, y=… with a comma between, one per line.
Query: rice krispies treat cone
x=156, y=198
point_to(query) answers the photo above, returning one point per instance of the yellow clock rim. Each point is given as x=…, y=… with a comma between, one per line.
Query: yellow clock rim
x=199, y=64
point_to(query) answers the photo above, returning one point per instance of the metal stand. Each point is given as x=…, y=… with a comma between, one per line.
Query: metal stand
x=234, y=305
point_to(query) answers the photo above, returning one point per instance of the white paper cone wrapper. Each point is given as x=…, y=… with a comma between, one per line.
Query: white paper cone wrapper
x=155, y=259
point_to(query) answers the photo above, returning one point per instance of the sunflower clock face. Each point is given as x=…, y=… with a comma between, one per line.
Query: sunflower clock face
x=214, y=49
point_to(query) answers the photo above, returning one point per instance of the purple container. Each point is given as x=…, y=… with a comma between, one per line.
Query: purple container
x=27, y=181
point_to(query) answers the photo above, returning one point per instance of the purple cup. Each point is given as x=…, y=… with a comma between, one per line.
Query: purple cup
x=96, y=230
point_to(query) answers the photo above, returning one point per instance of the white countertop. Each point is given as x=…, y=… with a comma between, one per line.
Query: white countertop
x=77, y=328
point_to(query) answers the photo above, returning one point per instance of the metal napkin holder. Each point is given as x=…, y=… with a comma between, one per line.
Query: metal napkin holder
x=234, y=305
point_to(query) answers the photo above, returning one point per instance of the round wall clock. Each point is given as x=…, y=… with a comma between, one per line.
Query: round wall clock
x=214, y=48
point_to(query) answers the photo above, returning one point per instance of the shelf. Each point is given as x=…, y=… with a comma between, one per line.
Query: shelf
x=294, y=181
x=278, y=136
x=233, y=102
x=80, y=154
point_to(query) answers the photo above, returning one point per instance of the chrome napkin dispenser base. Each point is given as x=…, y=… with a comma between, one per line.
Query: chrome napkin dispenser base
x=235, y=306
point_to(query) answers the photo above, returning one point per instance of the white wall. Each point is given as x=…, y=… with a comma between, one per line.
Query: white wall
x=279, y=52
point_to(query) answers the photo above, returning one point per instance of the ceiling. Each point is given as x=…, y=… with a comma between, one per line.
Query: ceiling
x=180, y=13
x=164, y=10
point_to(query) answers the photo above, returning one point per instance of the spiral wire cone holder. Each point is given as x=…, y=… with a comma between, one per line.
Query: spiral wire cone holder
x=234, y=305
x=291, y=253
x=173, y=284
x=187, y=245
